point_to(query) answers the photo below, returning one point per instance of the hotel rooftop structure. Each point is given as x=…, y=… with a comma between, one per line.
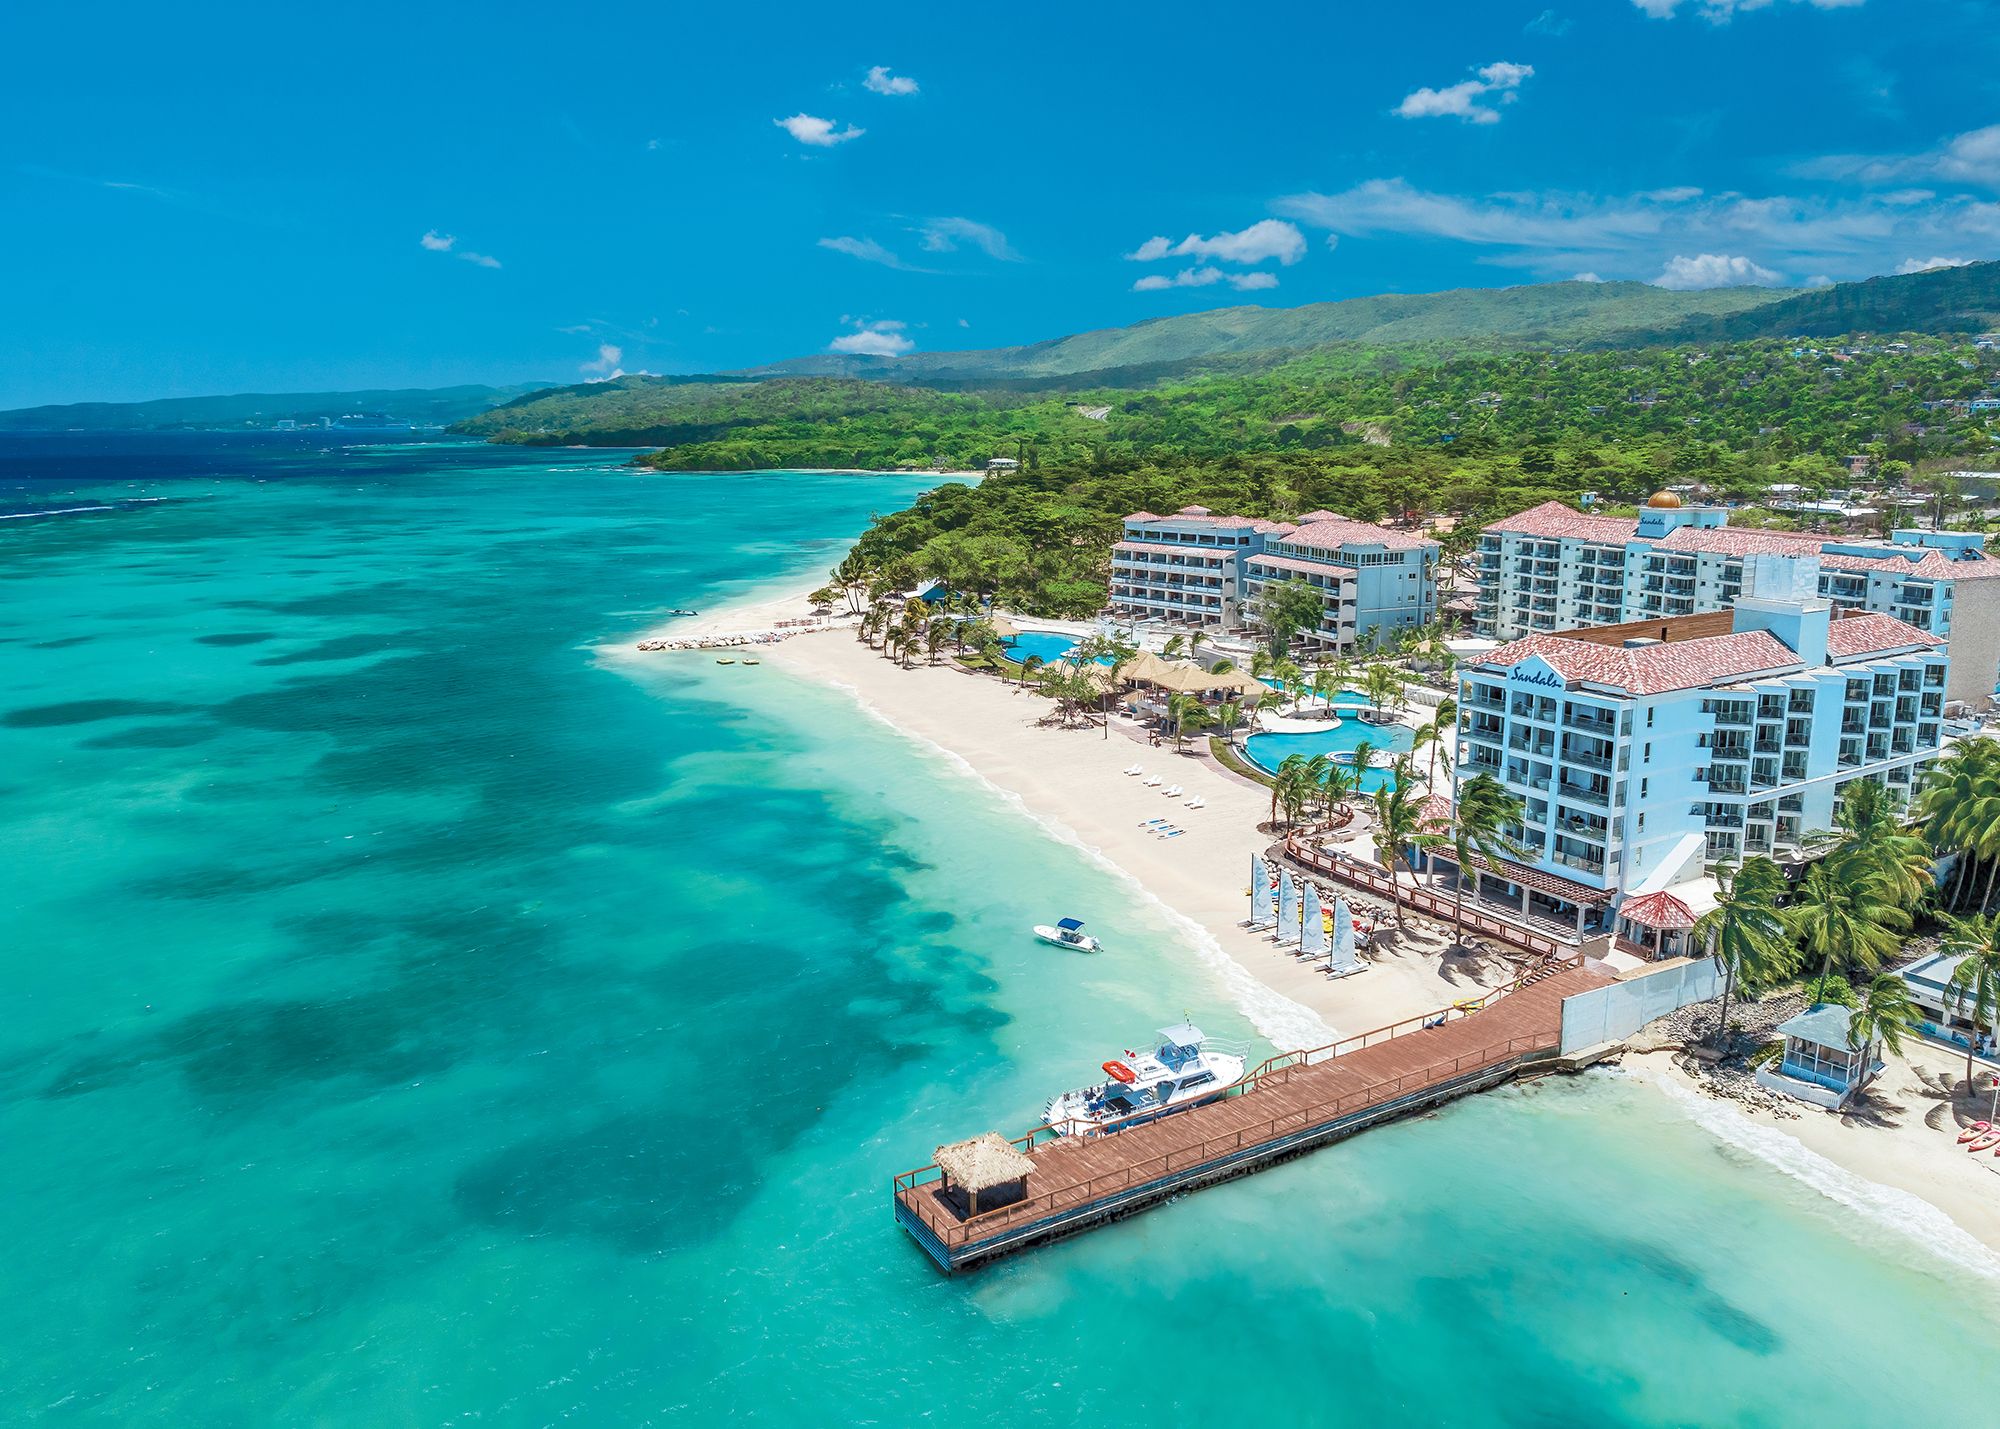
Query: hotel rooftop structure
x=1551, y=568
x=1646, y=753
x=1198, y=569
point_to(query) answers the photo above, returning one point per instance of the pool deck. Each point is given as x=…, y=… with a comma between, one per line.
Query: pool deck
x=1292, y=1104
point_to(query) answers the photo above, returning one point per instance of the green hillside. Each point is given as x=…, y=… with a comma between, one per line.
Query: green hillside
x=423, y=405
x=1532, y=314
x=1943, y=300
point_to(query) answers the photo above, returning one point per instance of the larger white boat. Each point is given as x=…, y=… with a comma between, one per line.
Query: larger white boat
x=1185, y=1070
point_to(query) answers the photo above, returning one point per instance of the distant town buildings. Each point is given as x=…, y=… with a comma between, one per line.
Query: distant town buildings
x=1209, y=572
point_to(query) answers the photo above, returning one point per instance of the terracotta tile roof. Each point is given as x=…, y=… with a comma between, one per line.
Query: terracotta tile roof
x=1200, y=516
x=1860, y=635
x=1222, y=553
x=1739, y=541
x=1654, y=669
x=1556, y=886
x=1554, y=520
x=1293, y=563
x=1931, y=565
x=1434, y=814
x=1330, y=532
x=1659, y=911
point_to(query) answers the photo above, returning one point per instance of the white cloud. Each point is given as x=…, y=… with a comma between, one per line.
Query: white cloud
x=1819, y=280
x=1586, y=278
x=1971, y=159
x=605, y=367
x=1713, y=270
x=1549, y=23
x=943, y=235
x=435, y=242
x=1718, y=12
x=1462, y=100
x=1925, y=265
x=883, y=338
x=1264, y=240
x=1633, y=235
x=880, y=81
x=819, y=133
x=1204, y=277
x=866, y=249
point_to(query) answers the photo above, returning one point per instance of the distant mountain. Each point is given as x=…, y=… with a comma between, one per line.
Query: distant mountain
x=1529, y=315
x=1942, y=300
x=257, y=410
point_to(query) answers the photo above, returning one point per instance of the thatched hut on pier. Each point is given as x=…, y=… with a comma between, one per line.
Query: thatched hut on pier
x=983, y=1174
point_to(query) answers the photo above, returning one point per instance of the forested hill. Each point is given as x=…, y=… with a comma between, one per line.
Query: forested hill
x=1943, y=300
x=1533, y=314
x=440, y=405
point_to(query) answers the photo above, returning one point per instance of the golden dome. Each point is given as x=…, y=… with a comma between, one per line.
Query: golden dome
x=1664, y=501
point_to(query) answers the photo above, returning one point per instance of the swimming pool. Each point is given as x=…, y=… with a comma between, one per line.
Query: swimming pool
x=1268, y=751
x=1045, y=645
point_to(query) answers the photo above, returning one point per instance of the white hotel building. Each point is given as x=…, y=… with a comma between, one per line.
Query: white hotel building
x=1551, y=568
x=1205, y=571
x=1646, y=754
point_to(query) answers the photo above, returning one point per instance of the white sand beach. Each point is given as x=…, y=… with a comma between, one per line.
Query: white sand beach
x=1895, y=1155
x=1072, y=780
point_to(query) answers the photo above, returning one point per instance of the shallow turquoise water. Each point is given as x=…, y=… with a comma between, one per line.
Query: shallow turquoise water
x=420, y=1014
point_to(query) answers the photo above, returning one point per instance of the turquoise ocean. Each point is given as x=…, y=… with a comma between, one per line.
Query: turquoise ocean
x=419, y=1011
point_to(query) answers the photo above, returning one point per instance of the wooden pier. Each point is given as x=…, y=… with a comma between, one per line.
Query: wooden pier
x=1291, y=1104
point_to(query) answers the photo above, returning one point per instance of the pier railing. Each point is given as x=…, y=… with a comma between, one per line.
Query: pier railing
x=952, y=1231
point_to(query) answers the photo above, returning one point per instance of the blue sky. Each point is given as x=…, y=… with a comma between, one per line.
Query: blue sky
x=233, y=197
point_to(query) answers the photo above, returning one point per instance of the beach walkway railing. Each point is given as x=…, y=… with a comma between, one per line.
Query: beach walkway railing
x=1345, y=868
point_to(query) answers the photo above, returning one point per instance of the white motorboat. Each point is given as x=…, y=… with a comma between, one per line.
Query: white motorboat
x=1185, y=1070
x=1068, y=933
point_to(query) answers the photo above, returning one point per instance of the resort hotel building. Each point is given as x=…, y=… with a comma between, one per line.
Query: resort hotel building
x=1551, y=568
x=1197, y=569
x=1645, y=753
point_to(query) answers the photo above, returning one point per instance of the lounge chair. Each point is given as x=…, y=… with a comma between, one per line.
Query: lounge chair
x=1173, y=791
x=1150, y=823
x=1173, y=833
x=1136, y=769
x=1152, y=780
x=1197, y=802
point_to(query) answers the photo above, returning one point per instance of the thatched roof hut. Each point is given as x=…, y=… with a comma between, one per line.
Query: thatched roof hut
x=988, y=1163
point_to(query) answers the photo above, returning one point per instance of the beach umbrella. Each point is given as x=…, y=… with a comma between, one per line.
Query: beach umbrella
x=1342, y=958
x=1003, y=627
x=1288, y=908
x=1312, y=927
x=1260, y=893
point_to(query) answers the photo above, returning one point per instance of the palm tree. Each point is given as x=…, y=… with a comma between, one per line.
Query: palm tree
x=1363, y=755
x=1175, y=648
x=936, y=632
x=1384, y=688
x=1288, y=675
x=1399, y=816
x=1228, y=714
x=1285, y=770
x=1853, y=919
x=1744, y=932
x=1872, y=839
x=1261, y=662
x=1185, y=710
x=1436, y=733
x=1959, y=805
x=1480, y=823
x=1975, y=983
x=1343, y=668
x=1323, y=685
x=1314, y=773
x=1885, y=1014
x=1029, y=664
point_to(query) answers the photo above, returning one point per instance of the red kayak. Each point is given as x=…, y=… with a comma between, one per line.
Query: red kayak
x=1985, y=1143
x=1974, y=1130
x=1119, y=1072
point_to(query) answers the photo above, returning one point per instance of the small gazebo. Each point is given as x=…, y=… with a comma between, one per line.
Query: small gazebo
x=1818, y=1065
x=984, y=1173
x=1657, y=924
